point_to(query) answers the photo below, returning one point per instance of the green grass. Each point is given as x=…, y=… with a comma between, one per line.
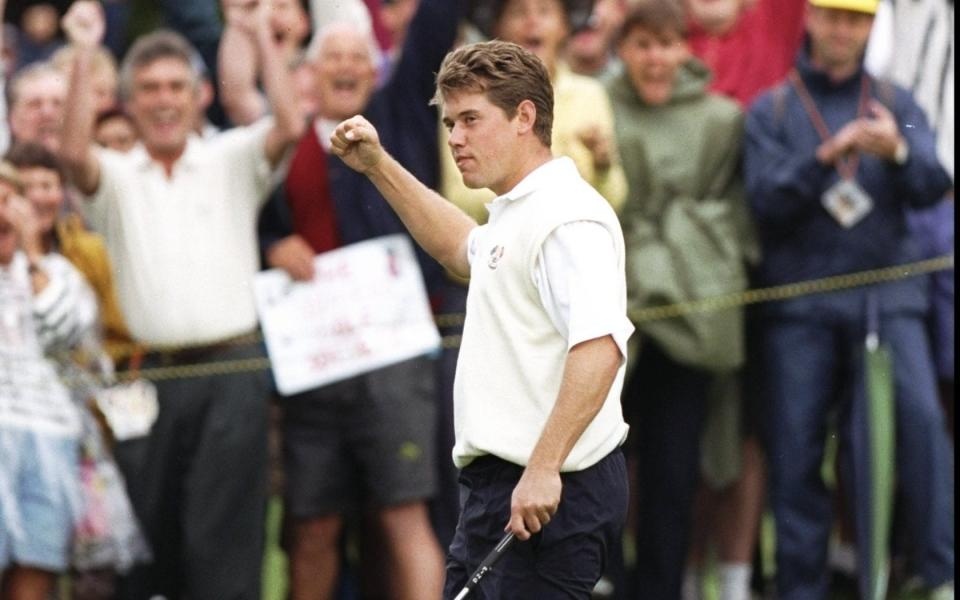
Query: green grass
x=274, y=559
x=711, y=584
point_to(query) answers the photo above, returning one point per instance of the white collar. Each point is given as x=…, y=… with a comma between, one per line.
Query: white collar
x=324, y=129
x=189, y=158
x=536, y=179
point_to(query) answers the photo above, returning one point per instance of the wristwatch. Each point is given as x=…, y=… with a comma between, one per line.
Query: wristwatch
x=902, y=153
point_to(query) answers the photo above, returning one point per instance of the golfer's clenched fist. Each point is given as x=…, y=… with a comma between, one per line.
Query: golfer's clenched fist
x=357, y=143
x=534, y=501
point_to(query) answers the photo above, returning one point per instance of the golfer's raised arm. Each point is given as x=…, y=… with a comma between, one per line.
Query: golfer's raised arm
x=438, y=226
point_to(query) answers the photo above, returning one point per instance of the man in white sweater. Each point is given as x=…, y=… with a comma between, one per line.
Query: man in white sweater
x=537, y=394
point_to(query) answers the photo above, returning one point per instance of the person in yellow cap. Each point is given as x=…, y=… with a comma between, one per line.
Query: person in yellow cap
x=833, y=160
x=865, y=7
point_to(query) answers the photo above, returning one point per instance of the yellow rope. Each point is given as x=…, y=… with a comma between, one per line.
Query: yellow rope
x=794, y=290
x=716, y=303
x=223, y=367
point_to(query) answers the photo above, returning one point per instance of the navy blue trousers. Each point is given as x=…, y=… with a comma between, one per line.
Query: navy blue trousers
x=666, y=406
x=814, y=369
x=563, y=561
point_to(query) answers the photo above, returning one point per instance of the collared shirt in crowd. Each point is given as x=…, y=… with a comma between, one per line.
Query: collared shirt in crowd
x=184, y=246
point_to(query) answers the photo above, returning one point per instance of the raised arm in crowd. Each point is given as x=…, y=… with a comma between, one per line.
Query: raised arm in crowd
x=84, y=26
x=240, y=60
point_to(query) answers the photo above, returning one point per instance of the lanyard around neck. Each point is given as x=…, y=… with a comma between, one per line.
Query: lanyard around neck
x=846, y=167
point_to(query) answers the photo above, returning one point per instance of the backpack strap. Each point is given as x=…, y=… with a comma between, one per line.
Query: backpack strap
x=780, y=101
x=886, y=92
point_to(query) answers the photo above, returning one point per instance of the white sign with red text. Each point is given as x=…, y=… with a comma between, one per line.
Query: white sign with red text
x=365, y=308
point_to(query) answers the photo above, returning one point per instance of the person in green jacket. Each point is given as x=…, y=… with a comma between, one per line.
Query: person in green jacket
x=687, y=237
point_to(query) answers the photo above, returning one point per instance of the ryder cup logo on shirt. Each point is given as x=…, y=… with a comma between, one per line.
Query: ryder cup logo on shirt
x=496, y=253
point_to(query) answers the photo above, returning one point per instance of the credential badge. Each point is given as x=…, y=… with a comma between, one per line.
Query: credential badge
x=496, y=253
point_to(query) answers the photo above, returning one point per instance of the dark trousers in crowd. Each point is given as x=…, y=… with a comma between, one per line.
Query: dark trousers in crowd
x=445, y=505
x=814, y=368
x=198, y=482
x=665, y=404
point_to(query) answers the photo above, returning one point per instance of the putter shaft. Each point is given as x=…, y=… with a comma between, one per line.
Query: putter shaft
x=498, y=551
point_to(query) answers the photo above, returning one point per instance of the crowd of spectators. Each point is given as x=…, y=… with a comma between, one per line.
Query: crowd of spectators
x=743, y=143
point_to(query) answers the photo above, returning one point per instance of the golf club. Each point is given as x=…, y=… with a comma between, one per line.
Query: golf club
x=486, y=565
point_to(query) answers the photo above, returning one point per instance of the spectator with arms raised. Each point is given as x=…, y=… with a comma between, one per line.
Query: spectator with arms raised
x=178, y=214
x=326, y=205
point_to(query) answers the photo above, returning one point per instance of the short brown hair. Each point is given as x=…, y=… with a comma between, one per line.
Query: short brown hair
x=507, y=73
x=656, y=16
x=29, y=155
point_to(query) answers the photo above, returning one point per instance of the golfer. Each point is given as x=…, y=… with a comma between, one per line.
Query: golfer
x=537, y=393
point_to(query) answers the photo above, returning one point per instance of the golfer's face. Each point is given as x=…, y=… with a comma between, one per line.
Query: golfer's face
x=482, y=139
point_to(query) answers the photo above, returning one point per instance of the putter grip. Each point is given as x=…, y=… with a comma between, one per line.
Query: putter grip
x=486, y=565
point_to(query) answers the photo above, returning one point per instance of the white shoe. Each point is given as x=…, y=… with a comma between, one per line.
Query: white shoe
x=944, y=592
x=603, y=590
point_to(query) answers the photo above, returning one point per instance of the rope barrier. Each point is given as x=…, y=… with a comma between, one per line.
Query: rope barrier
x=712, y=304
x=795, y=290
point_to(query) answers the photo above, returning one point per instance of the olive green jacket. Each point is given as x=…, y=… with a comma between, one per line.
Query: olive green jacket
x=685, y=219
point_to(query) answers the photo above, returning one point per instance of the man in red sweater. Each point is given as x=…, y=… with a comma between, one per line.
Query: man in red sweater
x=749, y=45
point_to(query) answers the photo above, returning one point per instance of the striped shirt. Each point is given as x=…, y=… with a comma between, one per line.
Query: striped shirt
x=32, y=397
x=66, y=310
x=912, y=44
